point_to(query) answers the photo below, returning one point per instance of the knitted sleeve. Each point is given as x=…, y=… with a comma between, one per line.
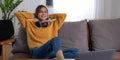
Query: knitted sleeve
x=23, y=16
x=60, y=17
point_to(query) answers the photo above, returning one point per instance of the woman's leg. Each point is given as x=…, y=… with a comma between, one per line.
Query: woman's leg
x=57, y=48
x=59, y=55
x=70, y=53
x=41, y=52
x=49, y=50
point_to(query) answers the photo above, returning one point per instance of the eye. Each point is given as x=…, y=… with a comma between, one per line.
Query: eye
x=45, y=11
x=41, y=12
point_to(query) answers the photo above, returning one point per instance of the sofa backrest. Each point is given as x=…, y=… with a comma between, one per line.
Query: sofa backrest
x=72, y=34
x=105, y=34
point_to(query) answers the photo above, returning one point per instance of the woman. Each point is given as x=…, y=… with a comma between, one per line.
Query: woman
x=42, y=32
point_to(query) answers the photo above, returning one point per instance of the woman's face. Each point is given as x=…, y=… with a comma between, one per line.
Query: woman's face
x=43, y=14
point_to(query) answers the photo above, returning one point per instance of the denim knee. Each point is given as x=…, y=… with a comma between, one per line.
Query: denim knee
x=71, y=52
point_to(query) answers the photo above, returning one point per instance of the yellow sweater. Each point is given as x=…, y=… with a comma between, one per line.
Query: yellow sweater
x=37, y=36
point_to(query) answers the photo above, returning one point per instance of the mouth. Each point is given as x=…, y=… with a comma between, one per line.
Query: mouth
x=43, y=17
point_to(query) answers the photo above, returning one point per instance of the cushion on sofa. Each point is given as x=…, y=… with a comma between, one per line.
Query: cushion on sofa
x=105, y=34
x=20, y=45
x=74, y=35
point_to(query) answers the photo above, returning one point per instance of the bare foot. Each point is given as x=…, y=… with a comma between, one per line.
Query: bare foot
x=59, y=55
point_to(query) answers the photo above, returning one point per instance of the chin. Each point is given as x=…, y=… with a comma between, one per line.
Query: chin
x=44, y=18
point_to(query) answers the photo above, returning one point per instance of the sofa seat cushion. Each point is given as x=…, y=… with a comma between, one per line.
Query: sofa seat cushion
x=20, y=55
x=26, y=56
x=74, y=35
x=105, y=34
x=23, y=56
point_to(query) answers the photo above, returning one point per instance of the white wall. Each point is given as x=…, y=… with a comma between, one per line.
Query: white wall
x=30, y=6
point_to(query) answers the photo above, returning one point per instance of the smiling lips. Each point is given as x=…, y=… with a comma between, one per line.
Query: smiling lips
x=43, y=17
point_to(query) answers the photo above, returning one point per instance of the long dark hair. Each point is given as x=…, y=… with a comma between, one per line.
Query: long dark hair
x=38, y=10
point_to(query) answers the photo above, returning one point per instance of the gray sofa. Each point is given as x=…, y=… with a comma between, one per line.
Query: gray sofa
x=85, y=35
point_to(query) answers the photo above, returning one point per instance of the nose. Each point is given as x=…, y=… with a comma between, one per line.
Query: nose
x=43, y=13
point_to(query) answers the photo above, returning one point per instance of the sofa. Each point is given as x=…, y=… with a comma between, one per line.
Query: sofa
x=86, y=35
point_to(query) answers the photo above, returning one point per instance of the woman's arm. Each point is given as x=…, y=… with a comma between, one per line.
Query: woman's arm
x=60, y=17
x=23, y=16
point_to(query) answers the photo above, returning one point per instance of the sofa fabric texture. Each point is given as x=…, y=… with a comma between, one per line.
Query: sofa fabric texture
x=20, y=45
x=74, y=35
x=105, y=34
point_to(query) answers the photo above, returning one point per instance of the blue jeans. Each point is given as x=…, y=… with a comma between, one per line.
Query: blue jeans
x=70, y=53
x=48, y=50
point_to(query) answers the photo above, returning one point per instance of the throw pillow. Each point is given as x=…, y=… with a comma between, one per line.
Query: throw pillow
x=105, y=34
x=74, y=35
x=20, y=45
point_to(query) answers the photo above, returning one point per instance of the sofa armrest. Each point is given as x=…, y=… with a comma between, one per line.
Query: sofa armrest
x=4, y=43
x=7, y=41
